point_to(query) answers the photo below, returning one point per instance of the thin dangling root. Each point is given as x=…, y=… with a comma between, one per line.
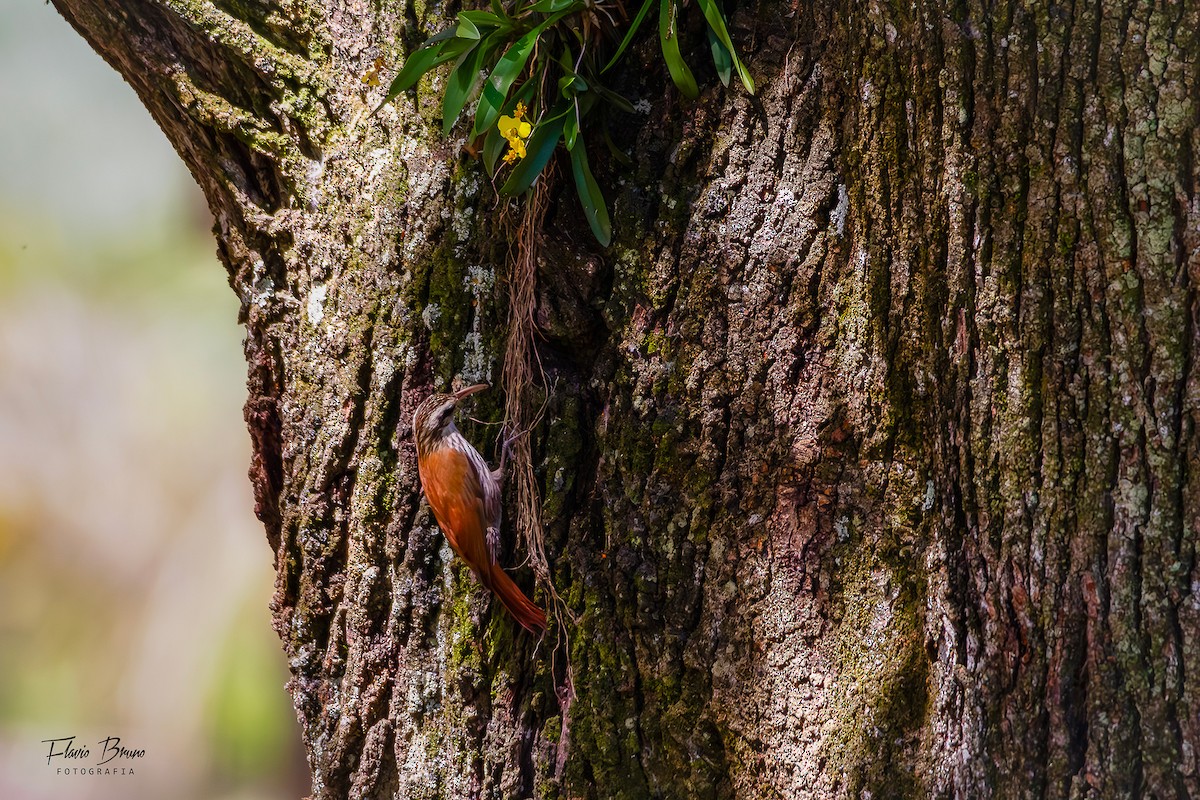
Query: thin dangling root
x=518, y=377
x=520, y=358
x=520, y=419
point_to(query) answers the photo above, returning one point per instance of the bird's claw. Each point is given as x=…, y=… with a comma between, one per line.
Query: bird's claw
x=505, y=453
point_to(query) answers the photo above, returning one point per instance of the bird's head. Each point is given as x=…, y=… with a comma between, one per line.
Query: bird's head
x=434, y=418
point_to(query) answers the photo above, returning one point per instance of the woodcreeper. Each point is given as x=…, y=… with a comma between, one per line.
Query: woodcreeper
x=465, y=497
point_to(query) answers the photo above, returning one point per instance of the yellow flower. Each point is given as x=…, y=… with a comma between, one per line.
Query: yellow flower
x=514, y=127
x=371, y=76
x=516, y=149
x=516, y=130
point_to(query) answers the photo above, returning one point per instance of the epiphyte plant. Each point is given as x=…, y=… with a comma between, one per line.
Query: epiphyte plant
x=534, y=72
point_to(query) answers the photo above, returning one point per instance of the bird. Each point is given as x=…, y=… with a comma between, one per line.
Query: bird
x=465, y=497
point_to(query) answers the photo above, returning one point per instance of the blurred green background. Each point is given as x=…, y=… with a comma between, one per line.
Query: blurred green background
x=134, y=578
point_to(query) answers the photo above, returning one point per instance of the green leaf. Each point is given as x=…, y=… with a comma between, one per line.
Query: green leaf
x=507, y=70
x=510, y=65
x=495, y=89
x=484, y=19
x=616, y=151
x=571, y=84
x=436, y=51
x=565, y=60
x=441, y=36
x=553, y=6
x=490, y=100
x=571, y=126
x=669, y=39
x=721, y=59
x=716, y=21
x=590, y=197
x=458, y=88
x=474, y=24
x=633, y=28
x=581, y=106
x=537, y=154
x=614, y=99
x=466, y=29
x=493, y=146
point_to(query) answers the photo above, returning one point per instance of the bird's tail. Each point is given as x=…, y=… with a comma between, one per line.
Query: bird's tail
x=530, y=617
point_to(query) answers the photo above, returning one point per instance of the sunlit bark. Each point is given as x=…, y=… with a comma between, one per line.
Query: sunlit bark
x=866, y=454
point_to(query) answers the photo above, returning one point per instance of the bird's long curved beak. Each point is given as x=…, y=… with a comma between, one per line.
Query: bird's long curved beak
x=470, y=390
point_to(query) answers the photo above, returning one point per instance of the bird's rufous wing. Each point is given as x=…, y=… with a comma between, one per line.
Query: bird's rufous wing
x=491, y=506
x=490, y=491
x=457, y=499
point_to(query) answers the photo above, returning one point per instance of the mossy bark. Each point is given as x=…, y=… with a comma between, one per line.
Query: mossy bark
x=867, y=447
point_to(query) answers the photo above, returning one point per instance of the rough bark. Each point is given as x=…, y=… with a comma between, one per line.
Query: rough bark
x=867, y=448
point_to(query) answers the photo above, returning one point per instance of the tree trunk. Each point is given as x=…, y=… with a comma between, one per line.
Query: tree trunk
x=866, y=454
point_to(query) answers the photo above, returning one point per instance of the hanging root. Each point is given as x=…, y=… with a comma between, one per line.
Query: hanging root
x=520, y=358
x=520, y=419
